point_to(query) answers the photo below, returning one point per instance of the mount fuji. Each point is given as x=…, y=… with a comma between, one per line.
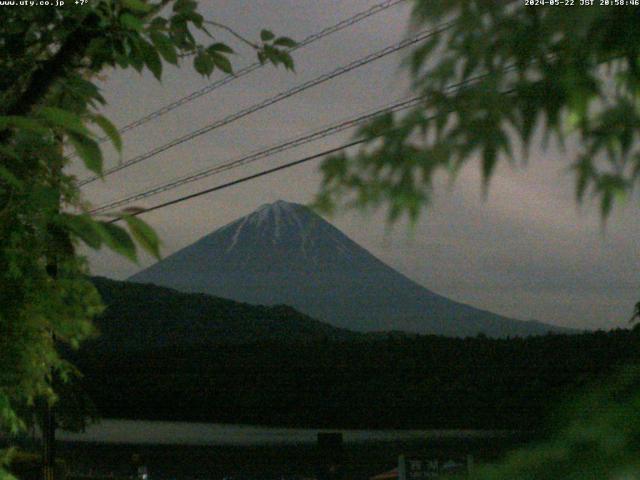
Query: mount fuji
x=283, y=253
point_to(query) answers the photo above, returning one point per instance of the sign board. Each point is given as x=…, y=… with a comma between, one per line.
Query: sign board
x=424, y=468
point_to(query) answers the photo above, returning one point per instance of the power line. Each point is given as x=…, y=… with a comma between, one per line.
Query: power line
x=255, y=66
x=277, y=98
x=281, y=147
x=326, y=131
x=261, y=154
x=243, y=179
x=396, y=107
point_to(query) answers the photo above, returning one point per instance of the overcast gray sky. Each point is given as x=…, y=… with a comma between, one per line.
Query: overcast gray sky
x=527, y=251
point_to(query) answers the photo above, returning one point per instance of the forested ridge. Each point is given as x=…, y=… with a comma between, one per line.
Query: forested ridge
x=147, y=316
x=386, y=381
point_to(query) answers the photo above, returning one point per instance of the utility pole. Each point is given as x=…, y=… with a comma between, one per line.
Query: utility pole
x=48, y=414
x=48, y=442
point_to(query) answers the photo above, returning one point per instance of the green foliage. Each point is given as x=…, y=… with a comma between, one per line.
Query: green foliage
x=144, y=235
x=88, y=150
x=134, y=311
x=275, y=50
x=600, y=439
x=110, y=130
x=266, y=35
x=5, y=459
x=565, y=72
x=48, y=102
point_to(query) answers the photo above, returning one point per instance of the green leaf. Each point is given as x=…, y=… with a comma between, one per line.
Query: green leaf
x=131, y=22
x=185, y=6
x=121, y=60
x=417, y=57
x=84, y=89
x=10, y=178
x=287, y=61
x=151, y=58
x=165, y=46
x=203, y=63
x=88, y=150
x=266, y=35
x=64, y=119
x=489, y=158
x=272, y=54
x=23, y=123
x=159, y=23
x=136, y=6
x=85, y=228
x=136, y=57
x=197, y=19
x=222, y=62
x=219, y=48
x=144, y=235
x=585, y=173
x=110, y=130
x=117, y=239
x=285, y=42
x=45, y=198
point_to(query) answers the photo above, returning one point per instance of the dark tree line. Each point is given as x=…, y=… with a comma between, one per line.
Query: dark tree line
x=391, y=381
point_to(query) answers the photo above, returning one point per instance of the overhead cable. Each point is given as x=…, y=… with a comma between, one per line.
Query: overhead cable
x=270, y=101
x=358, y=17
x=402, y=105
x=240, y=180
x=252, y=157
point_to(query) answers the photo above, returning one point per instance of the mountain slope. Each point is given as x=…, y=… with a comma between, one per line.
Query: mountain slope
x=283, y=253
x=147, y=317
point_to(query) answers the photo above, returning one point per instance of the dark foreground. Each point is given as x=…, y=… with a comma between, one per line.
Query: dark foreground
x=180, y=462
x=386, y=382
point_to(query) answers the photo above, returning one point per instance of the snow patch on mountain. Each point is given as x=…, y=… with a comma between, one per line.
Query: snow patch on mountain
x=237, y=233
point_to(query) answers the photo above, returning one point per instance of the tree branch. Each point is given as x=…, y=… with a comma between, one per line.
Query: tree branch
x=233, y=32
x=53, y=69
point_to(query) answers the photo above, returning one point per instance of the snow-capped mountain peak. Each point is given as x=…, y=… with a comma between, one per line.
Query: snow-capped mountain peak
x=284, y=253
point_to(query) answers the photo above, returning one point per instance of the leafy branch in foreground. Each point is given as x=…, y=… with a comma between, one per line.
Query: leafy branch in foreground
x=571, y=72
x=49, y=108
